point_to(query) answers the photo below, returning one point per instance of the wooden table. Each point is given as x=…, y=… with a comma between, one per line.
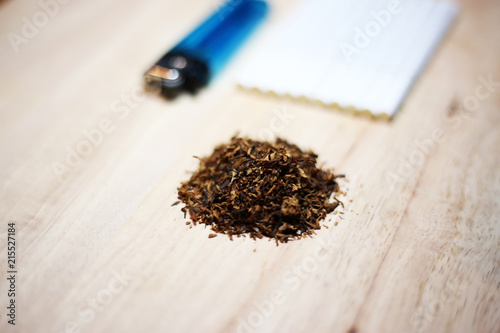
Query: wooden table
x=90, y=167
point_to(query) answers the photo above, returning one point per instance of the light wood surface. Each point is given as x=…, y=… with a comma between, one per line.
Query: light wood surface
x=101, y=249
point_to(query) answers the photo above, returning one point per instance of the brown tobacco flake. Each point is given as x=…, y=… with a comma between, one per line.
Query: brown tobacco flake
x=260, y=189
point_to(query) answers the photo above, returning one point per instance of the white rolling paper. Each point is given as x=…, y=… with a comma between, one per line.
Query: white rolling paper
x=361, y=55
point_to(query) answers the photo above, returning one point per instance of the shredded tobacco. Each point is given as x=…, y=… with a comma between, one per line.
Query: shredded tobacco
x=260, y=189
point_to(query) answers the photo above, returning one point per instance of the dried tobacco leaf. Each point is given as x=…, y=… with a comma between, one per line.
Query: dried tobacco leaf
x=263, y=189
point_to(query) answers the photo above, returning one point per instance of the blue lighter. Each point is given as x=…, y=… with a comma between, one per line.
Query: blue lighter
x=203, y=53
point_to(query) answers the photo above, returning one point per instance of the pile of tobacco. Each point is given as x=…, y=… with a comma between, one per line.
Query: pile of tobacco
x=262, y=189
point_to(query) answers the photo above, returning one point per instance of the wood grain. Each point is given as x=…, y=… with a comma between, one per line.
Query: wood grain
x=101, y=249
